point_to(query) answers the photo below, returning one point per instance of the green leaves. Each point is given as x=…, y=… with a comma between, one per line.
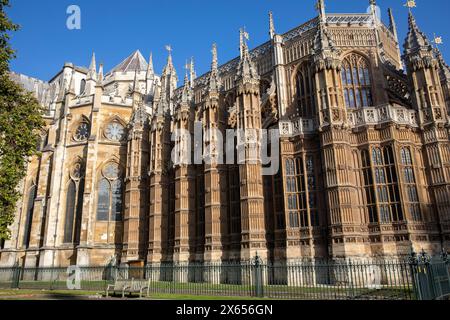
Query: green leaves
x=20, y=125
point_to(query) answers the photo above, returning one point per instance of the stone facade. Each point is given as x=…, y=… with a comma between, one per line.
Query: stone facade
x=364, y=154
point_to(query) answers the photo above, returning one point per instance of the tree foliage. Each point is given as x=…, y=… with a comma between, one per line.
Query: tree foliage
x=20, y=125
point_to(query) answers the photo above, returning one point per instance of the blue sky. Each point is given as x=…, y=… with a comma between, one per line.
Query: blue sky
x=115, y=28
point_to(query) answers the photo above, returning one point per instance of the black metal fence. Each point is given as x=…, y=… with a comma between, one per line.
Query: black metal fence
x=303, y=280
x=431, y=276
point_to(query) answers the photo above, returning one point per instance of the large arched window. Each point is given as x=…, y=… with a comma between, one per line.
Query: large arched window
x=381, y=185
x=110, y=194
x=29, y=215
x=70, y=211
x=74, y=205
x=356, y=82
x=305, y=95
x=369, y=187
x=301, y=192
x=409, y=180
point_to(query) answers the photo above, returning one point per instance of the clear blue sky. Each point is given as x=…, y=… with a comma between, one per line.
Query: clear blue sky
x=114, y=29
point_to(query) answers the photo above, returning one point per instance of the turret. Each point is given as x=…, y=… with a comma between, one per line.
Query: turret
x=423, y=71
x=327, y=65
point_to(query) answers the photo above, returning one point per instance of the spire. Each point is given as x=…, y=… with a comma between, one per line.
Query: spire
x=100, y=75
x=186, y=94
x=169, y=69
x=416, y=40
x=92, y=73
x=136, y=87
x=325, y=53
x=392, y=24
x=246, y=68
x=444, y=69
x=169, y=57
x=168, y=83
x=244, y=37
x=72, y=83
x=150, y=70
x=320, y=6
x=214, y=80
x=271, y=25
x=193, y=75
x=214, y=64
x=374, y=11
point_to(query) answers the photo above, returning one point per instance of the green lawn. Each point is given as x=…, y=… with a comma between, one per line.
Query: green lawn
x=165, y=290
x=26, y=294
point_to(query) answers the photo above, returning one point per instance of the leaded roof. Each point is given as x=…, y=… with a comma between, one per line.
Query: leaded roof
x=135, y=62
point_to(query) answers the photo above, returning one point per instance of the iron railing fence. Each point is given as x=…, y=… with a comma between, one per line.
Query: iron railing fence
x=312, y=280
x=431, y=276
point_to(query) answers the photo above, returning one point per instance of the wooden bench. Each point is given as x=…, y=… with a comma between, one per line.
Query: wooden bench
x=127, y=286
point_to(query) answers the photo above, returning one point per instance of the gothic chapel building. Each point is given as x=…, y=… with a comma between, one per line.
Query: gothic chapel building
x=364, y=154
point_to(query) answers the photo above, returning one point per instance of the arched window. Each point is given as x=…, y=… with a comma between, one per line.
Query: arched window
x=29, y=215
x=409, y=180
x=301, y=192
x=369, y=187
x=110, y=194
x=385, y=183
x=103, y=200
x=305, y=95
x=356, y=82
x=74, y=205
x=117, y=192
x=70, y=212
x=82, y=86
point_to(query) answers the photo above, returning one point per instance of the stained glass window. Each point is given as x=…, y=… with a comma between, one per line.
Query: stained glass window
x=29, y=216
x=305, y=96
x=103, y=200
x=117, y=198
x=410, y=182
x=369, y=187
x=82, y=132
x=110, y=194
x=301, y=192
x=356, y=81
x=70, y=212
x=384, y=182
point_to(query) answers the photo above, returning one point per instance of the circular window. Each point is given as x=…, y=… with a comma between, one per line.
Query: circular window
x=111, y=171
x=77, y=171
x=115, y=131
x=82, y=132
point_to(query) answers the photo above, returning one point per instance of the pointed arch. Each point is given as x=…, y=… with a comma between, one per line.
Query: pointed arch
x=82, y=86
x=357, y=81
x=74, y=202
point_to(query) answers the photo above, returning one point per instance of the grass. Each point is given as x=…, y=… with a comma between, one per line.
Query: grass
x=27, y=294
x=202, y=291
